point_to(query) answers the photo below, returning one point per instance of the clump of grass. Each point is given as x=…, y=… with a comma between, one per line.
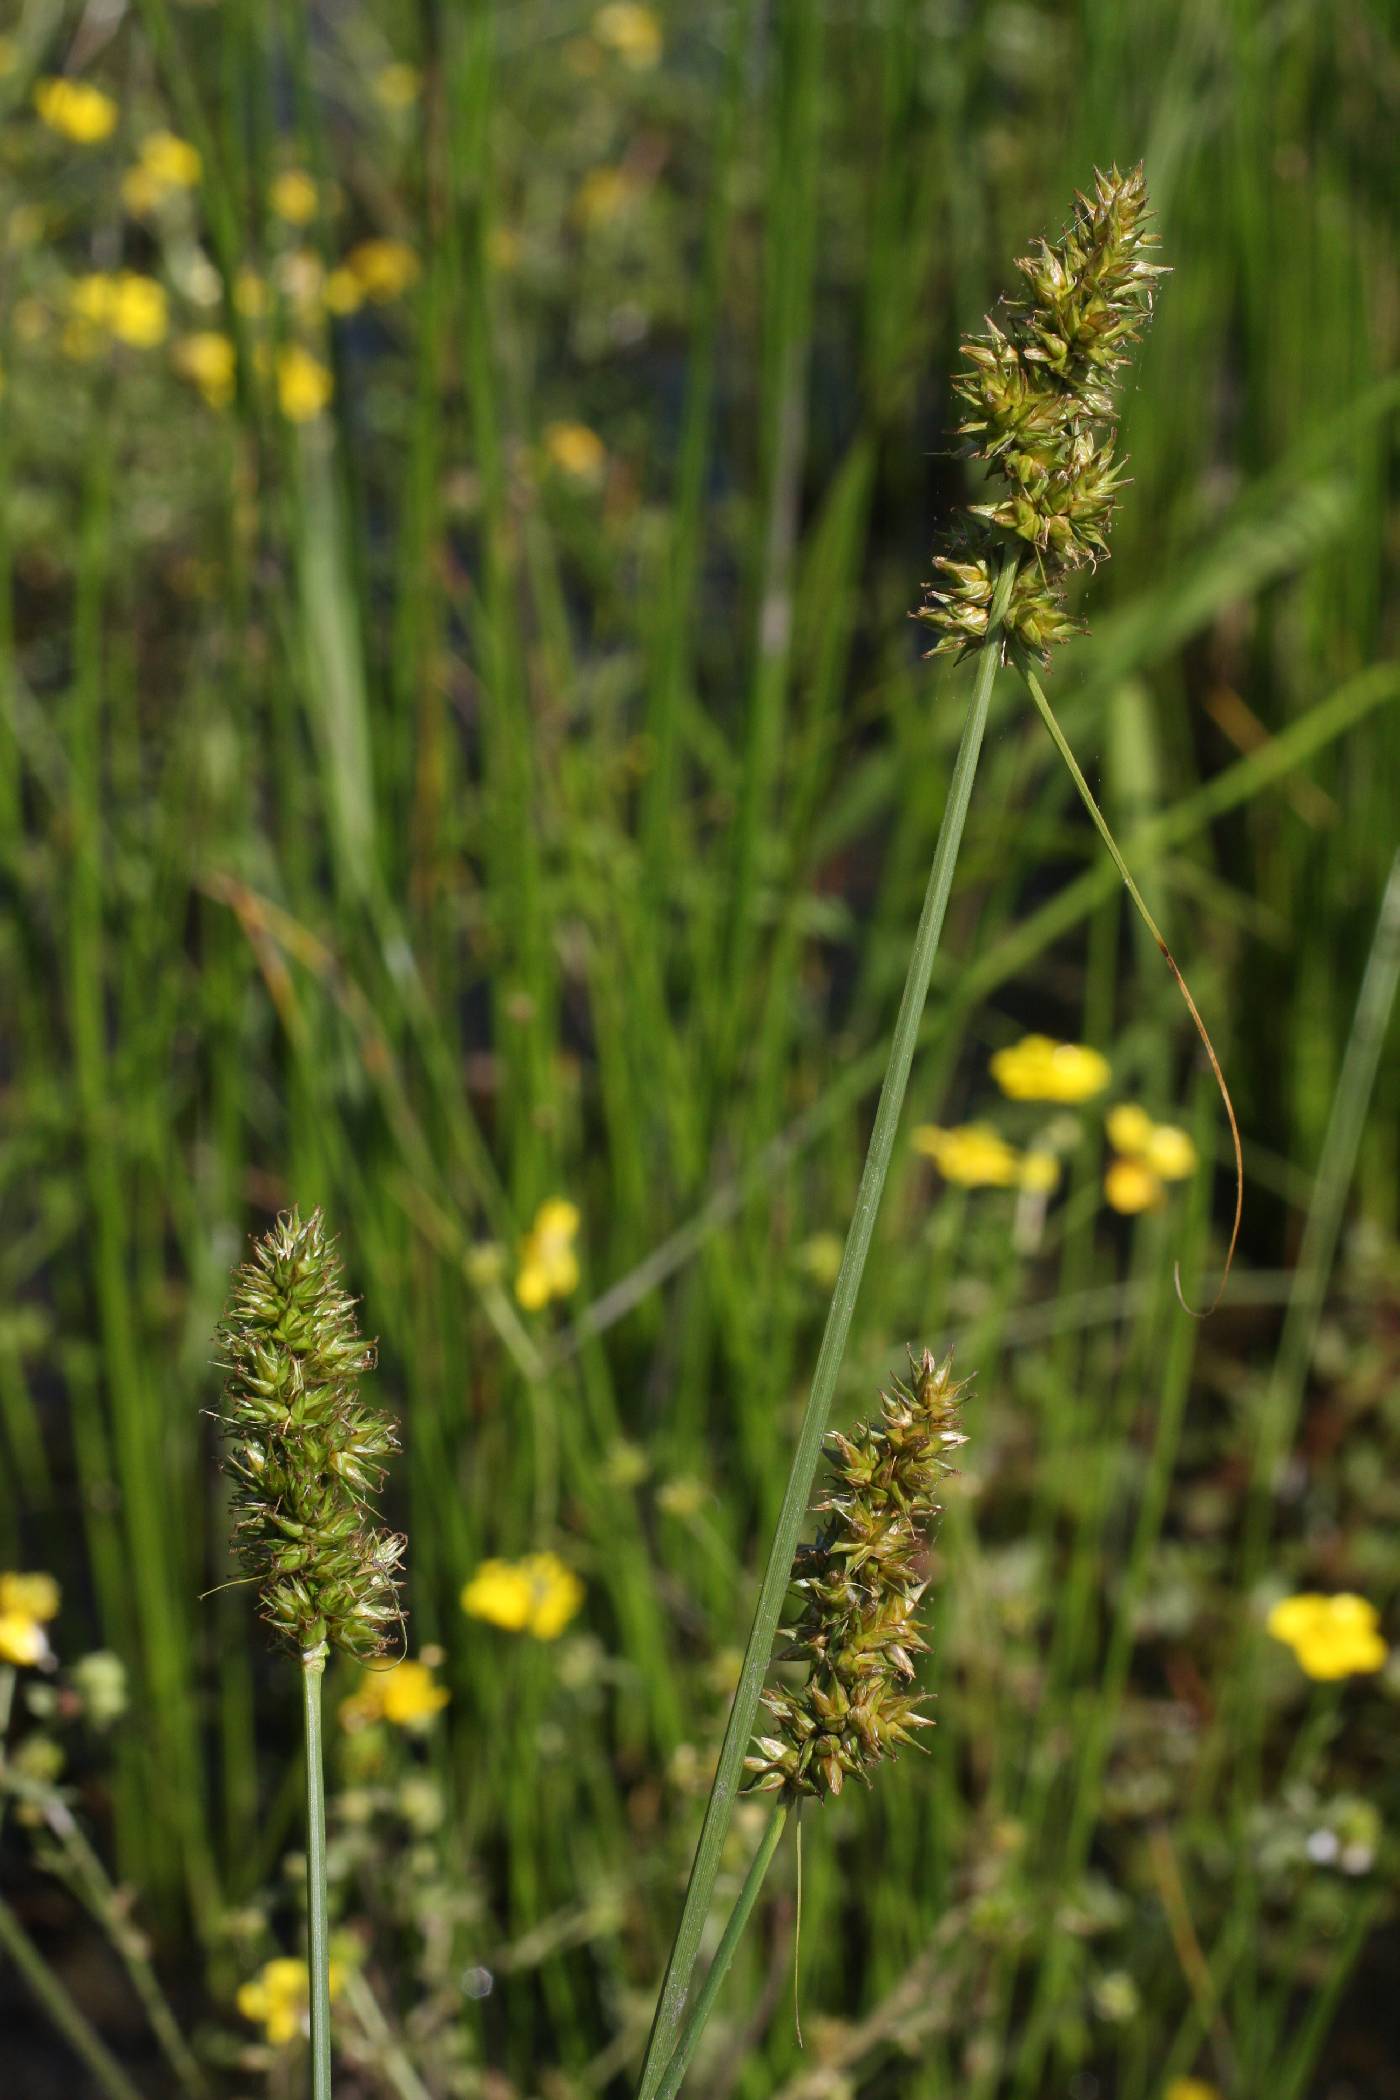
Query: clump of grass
x=307, y=1454
x=1040, y=392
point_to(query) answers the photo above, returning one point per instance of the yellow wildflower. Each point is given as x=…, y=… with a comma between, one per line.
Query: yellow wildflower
x=821, y=1256
x=27, y=1603
x=397, y=85
x=129, y=306
x=1170, y=1153
x=974, y=1155
x=601, y=195
x=408, y=1696
x=171, y=162
x=141, y=193
x=1331, y=1637
x=1190, y=2089
x=537, y=1595
x=292, y=196
x=1129, y=1128
x=383, y=268
x=207, y=360
x=1040, y=1069
x=1040, y=1171
x=76, y=110
x=140, y=312
x=1130, y=1186
x=548, y=1265
x=1149, y=1154
x=278, y=1998
x=304, y=384
x=632, y=31
x=250, y=295
x=575, y=450
x=344, y=293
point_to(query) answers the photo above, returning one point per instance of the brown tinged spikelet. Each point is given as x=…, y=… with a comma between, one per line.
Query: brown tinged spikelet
x=863, y=1580
x=1040, y=401
x=305, y=1453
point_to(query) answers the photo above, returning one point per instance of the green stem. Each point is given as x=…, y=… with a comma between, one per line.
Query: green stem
x=778, y=1572
x=724, y=1955
x=72, y=2024
x=313, y=1669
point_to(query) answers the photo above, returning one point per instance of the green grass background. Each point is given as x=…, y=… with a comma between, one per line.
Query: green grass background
x=392, y=823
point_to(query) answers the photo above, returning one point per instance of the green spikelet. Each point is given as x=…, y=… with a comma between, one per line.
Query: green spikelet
x=305, y=1452
x=863, y=1580
x=1040, y=401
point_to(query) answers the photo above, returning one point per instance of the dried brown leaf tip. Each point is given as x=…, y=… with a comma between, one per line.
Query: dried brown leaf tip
x=1040, y=400
x=305, y=1451
x=863, y=1581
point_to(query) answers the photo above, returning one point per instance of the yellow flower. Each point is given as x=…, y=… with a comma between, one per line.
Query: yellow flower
x=602, y=195
x=408, y=1696
x=304, y=384
x=1040, y=1069
x=292, y=196
x=278, y=1999
x=384, y=269
x=974, y=1155
x=1331, y=1637
x=575, y=450
x=344, y=293
x=170, y=161
x=1040, y=1172
x=821, y=1256
x=27, y=1602
x=633, y=32
x=1131, y=1186
x=1170, y=1153
x=140, y=312
x=141, y=193
x=250, y=295
x=129, y=306
x=76, y=110
x=537, y=1595
x=398, y=85
x=1129, y=1128
x=1149, y=1154
x=548, y=1266
x=1190, y=2089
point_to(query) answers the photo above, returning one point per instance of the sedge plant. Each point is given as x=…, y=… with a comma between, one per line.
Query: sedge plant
x=1039, y=393
x=307, y=1455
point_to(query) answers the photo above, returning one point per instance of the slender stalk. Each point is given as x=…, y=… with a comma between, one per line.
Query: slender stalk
x=777, y=1573
x=73, y=2024
x=313, y=1669
x=724, y=1955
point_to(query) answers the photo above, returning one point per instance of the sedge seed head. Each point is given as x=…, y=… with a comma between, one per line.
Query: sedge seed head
x=305, y=1452
x=1039, y=401
x=862, y=1582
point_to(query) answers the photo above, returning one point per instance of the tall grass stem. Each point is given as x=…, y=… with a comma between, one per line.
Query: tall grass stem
x=724, y=1954
x=313, y=1670
x=777, y=1574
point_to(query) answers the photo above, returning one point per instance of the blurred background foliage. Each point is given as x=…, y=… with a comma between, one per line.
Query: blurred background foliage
x=465, y=470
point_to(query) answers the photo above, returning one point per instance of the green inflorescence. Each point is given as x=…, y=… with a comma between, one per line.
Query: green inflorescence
x=306, y=1453
x=863, y=1580
x=1040, y=396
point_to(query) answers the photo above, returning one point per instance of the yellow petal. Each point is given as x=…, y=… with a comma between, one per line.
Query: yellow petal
x=1130, y=1187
